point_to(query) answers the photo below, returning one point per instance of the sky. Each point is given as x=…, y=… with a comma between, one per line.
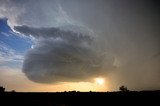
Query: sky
x=83, y=45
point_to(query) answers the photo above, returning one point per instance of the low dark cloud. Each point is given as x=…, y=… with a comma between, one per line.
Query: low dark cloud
x=52, y=32
x=60, y=56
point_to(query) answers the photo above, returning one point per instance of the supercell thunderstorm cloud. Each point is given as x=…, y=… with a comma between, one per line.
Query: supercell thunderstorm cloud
x=79, y=40
x=60, y=56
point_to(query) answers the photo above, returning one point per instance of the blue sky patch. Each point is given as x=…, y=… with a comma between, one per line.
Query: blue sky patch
x=12, y=39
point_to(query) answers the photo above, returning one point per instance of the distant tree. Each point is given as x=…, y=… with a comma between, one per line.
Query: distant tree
x=74, y=91
x=123, y=89
x=2, y=89
x=13, y=91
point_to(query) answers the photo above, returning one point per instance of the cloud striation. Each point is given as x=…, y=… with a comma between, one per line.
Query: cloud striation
x=60, y=56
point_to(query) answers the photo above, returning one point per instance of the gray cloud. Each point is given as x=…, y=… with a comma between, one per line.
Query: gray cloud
x=60, y=56
x=40, y=13
x=46, y=33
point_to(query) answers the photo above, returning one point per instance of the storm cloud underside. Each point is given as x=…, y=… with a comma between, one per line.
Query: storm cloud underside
x=61, y=56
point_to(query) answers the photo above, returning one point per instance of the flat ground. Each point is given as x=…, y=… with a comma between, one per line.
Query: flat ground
x=79, y=98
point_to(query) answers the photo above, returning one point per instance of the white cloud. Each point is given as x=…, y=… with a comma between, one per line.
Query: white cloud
x=44, y=13
x=7, y=54
x=5, y=34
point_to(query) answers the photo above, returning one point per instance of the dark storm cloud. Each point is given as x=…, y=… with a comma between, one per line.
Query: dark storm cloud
x=60, y=56
x=53, y=33
x=129, y=30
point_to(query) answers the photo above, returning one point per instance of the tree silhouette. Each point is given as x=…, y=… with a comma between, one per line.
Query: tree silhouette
x=2, y=89
x=123, y=89
x=13, y=91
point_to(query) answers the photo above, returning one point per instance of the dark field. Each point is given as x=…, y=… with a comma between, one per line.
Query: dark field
x=79, y=98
